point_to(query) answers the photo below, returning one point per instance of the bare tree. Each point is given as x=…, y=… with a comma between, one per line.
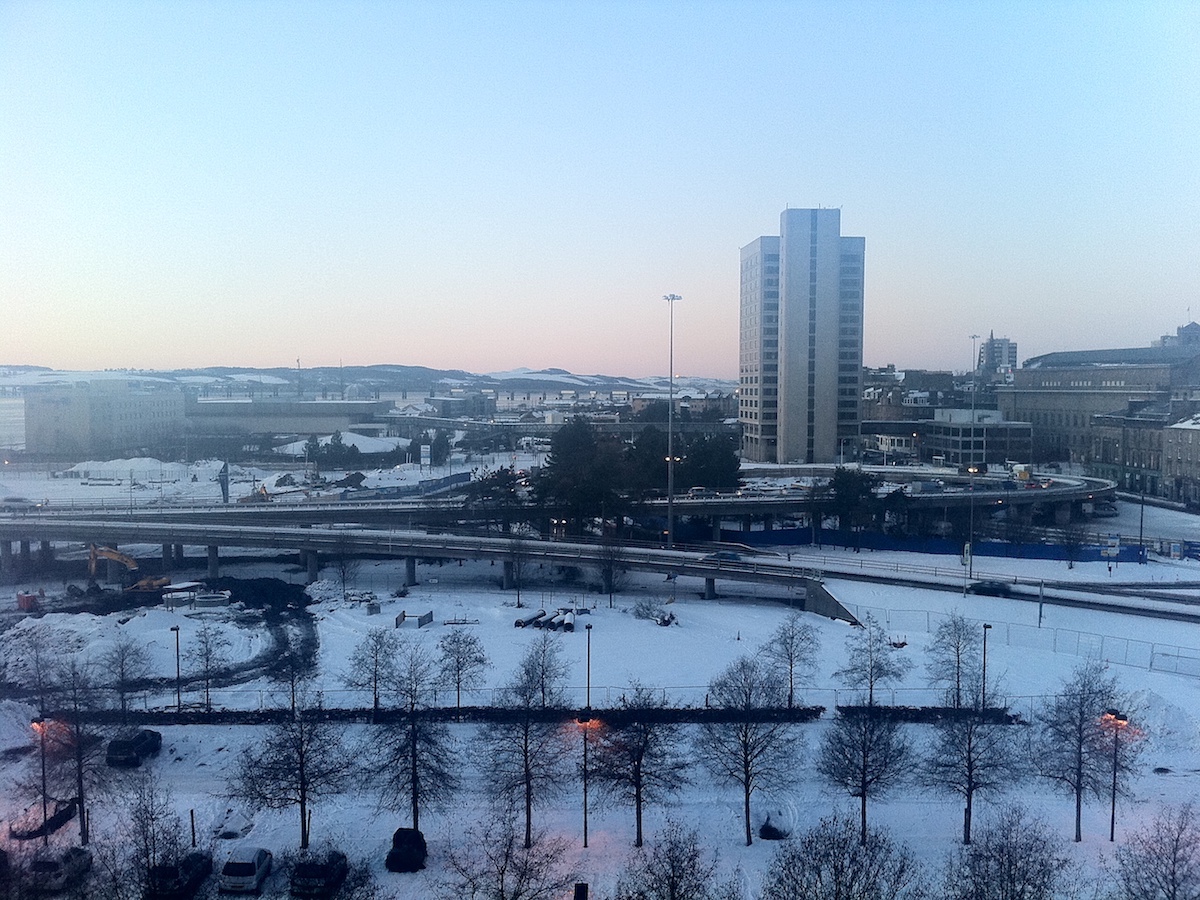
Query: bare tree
x=1014, y=858
x=207, y=657
x=125, y=664
x=518, y=559
x=872, y=660
x=347, y=564
x=864, y=753
x=639, y=756
x=970, y=754
x=831, y=862
x=953, y=656
x=1161, y=861
x=153, y=830
x=794, y=647
x=492, y=864
x=545, y=668
x=415, y=755
x=1072, y=752
x=298, y=761
x=753, y=748
x=373, y=664
x=76, y=692
x=462, y=662
x=31, y=660
x=611, y=565
x=525, y=751
x=675, y=868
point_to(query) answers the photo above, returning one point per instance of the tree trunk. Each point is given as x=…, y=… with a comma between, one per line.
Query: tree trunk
x=1078, y=815
x=637, y=813
x=303, y=822
x=746, y=803
x=862, y=837
x=967, y=821
x=413, y=775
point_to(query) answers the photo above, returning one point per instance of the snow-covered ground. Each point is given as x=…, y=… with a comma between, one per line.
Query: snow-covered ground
x=1031, y=657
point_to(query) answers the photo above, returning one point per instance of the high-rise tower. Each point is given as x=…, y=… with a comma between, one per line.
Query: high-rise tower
x=800, y=353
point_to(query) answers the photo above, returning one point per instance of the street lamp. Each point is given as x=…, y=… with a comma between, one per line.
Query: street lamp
x=983, y=690
x=671, y=299
x=178, y=680
x=39, y=725
x=1116, y=721
x=971, y=465
x=585, y=724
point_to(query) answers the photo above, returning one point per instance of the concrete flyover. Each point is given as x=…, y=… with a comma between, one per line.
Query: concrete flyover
x=959, y=496
x=312, y=542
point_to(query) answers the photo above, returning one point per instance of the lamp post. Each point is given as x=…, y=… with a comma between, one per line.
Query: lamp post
x=1116, y=721
x=39, y=725
x=671, y=299
x=971, y=464
x=178, y=679
x=983, y=690
x=586, y=722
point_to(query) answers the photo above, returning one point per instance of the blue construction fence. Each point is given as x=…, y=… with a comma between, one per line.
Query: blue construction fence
x=865, y=540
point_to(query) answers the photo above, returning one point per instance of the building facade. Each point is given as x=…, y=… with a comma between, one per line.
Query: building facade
x=800, y=349
x=102, y=418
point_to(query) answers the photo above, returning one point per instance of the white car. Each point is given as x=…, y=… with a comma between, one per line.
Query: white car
x=245, y=870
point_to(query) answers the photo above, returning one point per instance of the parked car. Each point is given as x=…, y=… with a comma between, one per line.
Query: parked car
x=50, y=872
x=990, y=588
x=319, y=876
x=131, y=748
x=179, y=880
x=245, y=870
x=408, y=851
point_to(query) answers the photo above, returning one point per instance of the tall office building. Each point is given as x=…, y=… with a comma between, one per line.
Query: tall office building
x=997, y=356
x=800, y=352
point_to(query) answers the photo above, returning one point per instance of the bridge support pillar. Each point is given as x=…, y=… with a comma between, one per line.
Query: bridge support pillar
x=1062, y=514
x=716, y=528
x=710, y=589
x=313, y=562
x=769, y=522
x=747, y=523
x=214, y=562
x=509, y=581
x=26, y=557
x=168, y=554
x=179, y=555
x=45, y=556
x=6, y=557
x=410, y=571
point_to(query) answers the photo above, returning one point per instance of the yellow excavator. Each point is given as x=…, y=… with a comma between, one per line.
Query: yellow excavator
x=131, y=565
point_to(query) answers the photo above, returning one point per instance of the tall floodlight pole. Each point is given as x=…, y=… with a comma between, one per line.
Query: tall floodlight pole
x=39, y=725
x=671, y=298
x=1116, y=721
x=983, y=690
x=971, y=465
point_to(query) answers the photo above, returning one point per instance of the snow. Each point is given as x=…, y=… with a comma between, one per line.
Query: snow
x=1031, y=656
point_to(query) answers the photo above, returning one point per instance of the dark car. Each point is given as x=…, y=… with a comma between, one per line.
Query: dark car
x=722, y=556
x=319, y=876
x=131, y=748
x=991, y=588
x=179, y=880
x=408, y=851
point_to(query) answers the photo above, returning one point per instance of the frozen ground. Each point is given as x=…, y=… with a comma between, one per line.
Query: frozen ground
x=680, y=659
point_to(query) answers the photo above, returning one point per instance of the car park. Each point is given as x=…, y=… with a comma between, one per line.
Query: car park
x=52, y=872
x=245, y=870
x=179, y=880
x=408, y=851
x=319, y=875
x=131, y=748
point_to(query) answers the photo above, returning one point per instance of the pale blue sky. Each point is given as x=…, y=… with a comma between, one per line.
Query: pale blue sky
x=487, y=185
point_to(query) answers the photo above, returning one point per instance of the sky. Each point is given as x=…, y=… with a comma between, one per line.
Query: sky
x=493, y=185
